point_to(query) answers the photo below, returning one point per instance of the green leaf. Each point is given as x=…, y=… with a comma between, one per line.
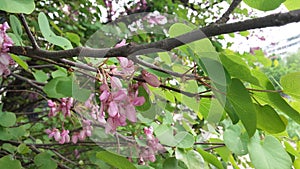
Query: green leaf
x=17, y=132
x=192, y=159
x=19, y=61
x=147, y=105
x=264, y=5
x=291, y=84
x=73, y=37
x=242, y=104
x=224, y=152
x=16, y=27
x=80, y=94
x=245, y=33
x=44, y=161
x=273, y=98
x=268, y=154
x=40, y=76
x=8, y=147
x=237, y=67
x=17, y=6
x=290, y=149
x=236, y=140
x=4, y=134
x=268, y=114
x=210, y=158
x=292, y=4
x=59, y=72
x=23, y=149
x=8, y=162
x=115, y=160
x=170, y=163
x=165, y=57
x=7, y=119
x=59, y=87
x=184, y=139
x=49, y=35
x=164, y=133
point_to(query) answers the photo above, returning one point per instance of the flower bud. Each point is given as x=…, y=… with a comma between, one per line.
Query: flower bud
x=151, y=79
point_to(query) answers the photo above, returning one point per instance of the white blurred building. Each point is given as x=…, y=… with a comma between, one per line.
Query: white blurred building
x=284, y=47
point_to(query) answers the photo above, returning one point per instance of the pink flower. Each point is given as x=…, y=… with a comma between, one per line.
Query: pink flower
x=126, y=65
x=138, y=101
x=53, y=133
x=253, y=49
x=153, y=146
x=5, y=43
x=113, y=109
x=66, y=105
x=115, y=83
x=151, y=79
x=65, y=138
x=104, y=95
x=156, y=18
x=122, y=43
x=76, y=153
x=75, y=138
x=148, y=131
x=53, y=108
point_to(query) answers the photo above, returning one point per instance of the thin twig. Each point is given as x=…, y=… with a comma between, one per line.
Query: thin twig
x=225, y=16
x=29, y=34
x=27, y=80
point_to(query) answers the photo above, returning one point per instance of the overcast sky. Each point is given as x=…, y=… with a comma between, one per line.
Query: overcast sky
x=271, y=34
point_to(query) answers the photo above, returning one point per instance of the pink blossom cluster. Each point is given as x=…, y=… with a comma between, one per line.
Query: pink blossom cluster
x=61, y=137
x=65, y=107
x=153, y=147
x=85, y=132
x=95, y=112
x=127, y=66
x=5, y=43
x=119, y=104
x=156, y=18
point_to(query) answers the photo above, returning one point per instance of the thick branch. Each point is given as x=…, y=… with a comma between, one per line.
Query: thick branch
x=166, y=44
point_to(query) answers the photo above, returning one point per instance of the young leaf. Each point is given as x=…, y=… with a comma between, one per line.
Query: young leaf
x=17, y=6
x=49, y=35
x=264, y=5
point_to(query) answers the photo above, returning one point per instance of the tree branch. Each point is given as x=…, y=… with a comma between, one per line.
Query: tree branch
x=168, y=44
x=225, y=16
x=29, y=34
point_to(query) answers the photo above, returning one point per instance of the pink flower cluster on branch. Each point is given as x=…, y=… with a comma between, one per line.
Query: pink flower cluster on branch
x=119, y=104
x=5, y=43
x=61, y=137
x=153, y=147
x=65, y=107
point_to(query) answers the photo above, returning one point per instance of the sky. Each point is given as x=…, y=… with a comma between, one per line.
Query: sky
x=271, y=34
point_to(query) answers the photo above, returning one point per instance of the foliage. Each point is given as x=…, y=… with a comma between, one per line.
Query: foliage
x=197, y=105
